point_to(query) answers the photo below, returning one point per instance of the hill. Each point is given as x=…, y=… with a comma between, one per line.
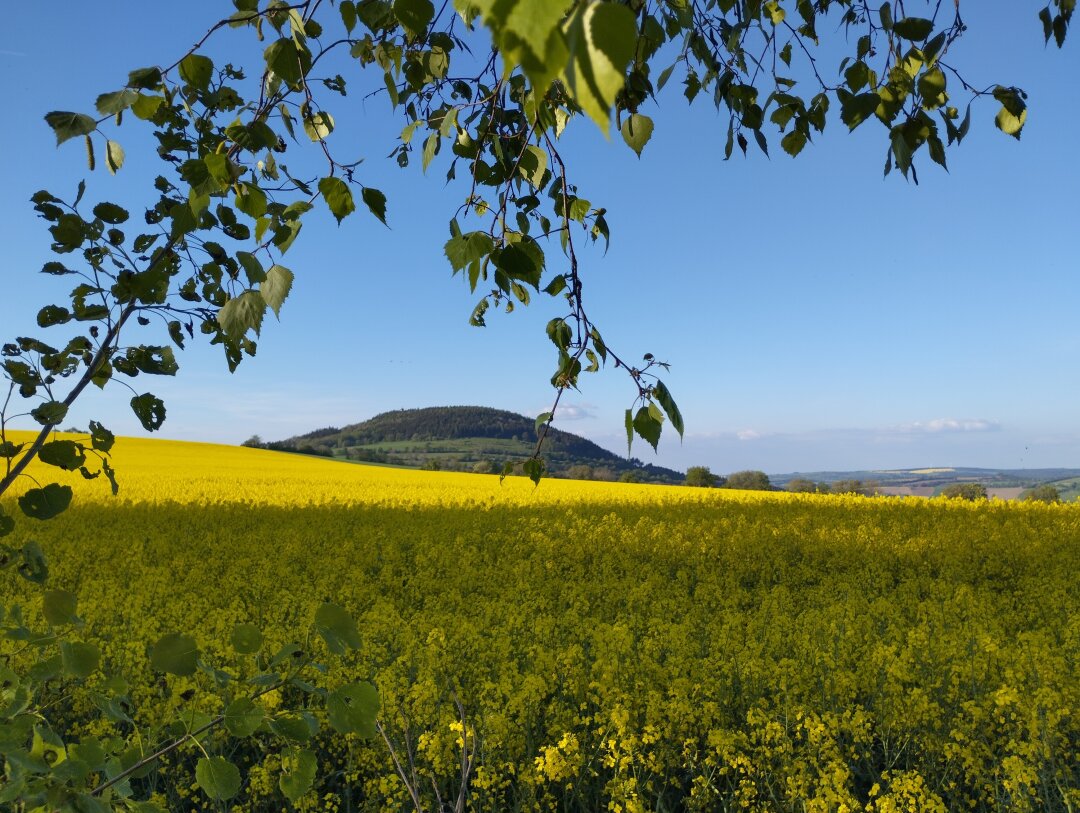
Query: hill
x=470, y=438
x=1008, y=483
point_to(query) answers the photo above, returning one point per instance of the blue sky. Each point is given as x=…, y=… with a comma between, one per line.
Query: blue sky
x=816, y=315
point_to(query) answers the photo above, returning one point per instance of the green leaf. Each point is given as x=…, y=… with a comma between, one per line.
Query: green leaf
x=854, y=110
x=59, y=606
x=275, y=288
x=33, y=567
x=353, y=708
x=337, y=628
x=252, y=267
x=251, y=200
x=69, y=125
x=288, y=61
x=376, y=202
x=534, y=469
x=647, y=427
x=298, y=766
x=318, y=125
x=150, y=411
x=431, y=144
x=528, y=34
x=197, y=70
x=541, y=419
x=636, y=132
x=7, y=525
x=533, y=165
x=338, y=197
x=242, y=313
x=243, y=717
x=663, y=397
x=885, y=13
x=65, y=454
x=915, y=29
x=414, y=15
x=297, y=727
x=793, y=143
x=247, y=639
x=47, y=502
x=114, y=156
x=176, y=654
x=109, y=104
x=111, y=213
x=146, y=106
x=101, y=438
x=80, y=659
x=144, y=78
x=601, y=37
x=218, y=777
x=775, y=12
x=53, y=315
x=1009, y=123
x=560, y=333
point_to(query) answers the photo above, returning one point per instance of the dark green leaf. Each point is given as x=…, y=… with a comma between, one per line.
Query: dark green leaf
x=64, y=454
x=647, y=427
x=298, y=766
x=541, y=419
x=793, y=143
x=80, y=659
x=376, y=202
x=47, y=502
x=144, y=78
x=352, y=709
x=176, y=654
x=69, y=125
x=247, y=639
x=218, y=777
x=534, y=469
x=101, y=438
x=663, y=397
x=337, y=628
x=414, y=15
x=297, y=727
x=915, y=29
x=53, y=315
x=59, y=606
x=243, y=717
x=150, y=411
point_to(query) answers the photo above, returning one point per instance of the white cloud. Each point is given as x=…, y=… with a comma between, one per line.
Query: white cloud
x=748, y=434
x=575, y=411
x=942, y=425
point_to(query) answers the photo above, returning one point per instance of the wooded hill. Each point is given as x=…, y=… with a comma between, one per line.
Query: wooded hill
x=471, y=438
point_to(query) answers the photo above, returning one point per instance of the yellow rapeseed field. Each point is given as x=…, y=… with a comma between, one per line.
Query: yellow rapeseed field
x=615, y=647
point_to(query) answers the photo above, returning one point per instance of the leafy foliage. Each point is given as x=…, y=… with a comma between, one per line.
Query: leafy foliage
x=223, y=207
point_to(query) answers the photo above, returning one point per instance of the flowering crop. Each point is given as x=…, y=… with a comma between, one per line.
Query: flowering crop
x=615, y=646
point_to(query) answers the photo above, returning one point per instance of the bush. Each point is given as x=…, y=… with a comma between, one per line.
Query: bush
x=702, y=477
x=749, y=481
x=1044, y=493
x=965, y=491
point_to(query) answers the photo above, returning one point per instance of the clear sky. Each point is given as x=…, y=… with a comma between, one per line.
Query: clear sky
x=816, y=315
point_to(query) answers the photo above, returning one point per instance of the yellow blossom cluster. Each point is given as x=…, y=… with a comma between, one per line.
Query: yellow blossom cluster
x=614, y=647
